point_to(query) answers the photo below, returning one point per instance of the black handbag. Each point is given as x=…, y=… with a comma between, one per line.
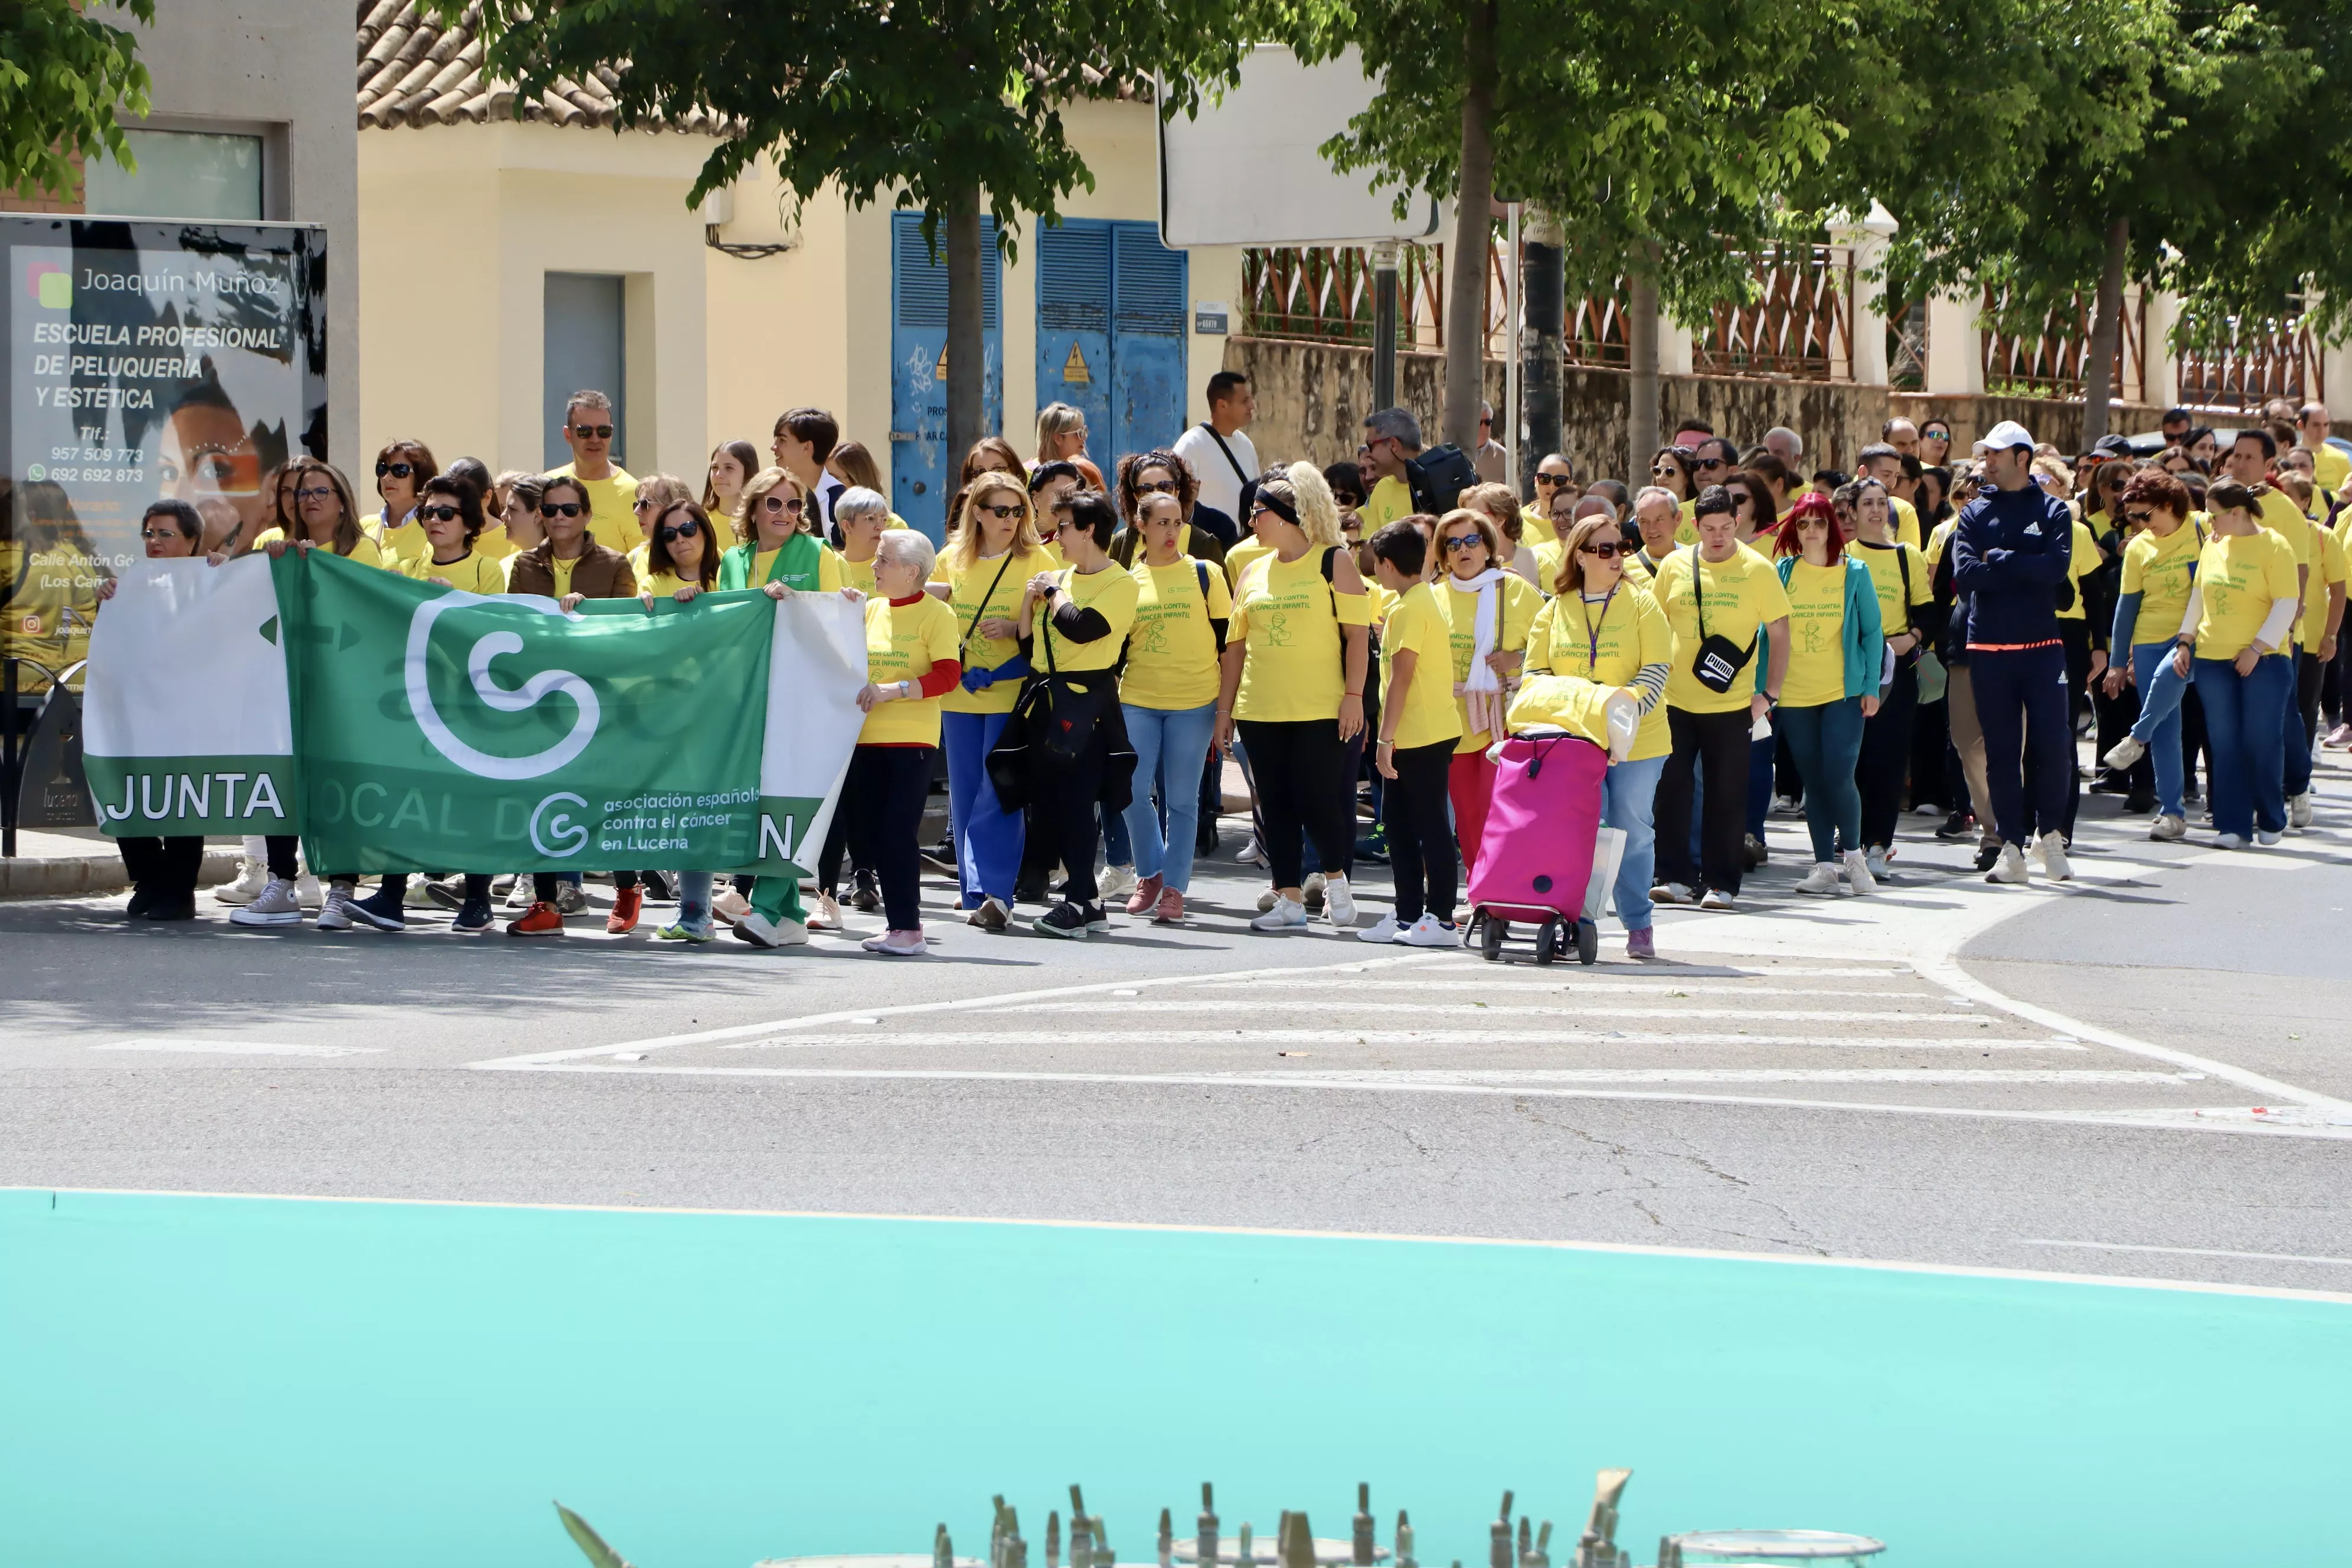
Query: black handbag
x=1052, y=724
x=1718, y=661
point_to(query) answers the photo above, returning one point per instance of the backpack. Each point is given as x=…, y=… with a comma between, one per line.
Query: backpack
x=1437, y=479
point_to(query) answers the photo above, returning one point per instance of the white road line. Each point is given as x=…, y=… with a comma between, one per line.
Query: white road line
x=962, y=1040
x=238, y=1047
x=1946, y=970
x=952, y=1005
x=1125, y=1007
x=2189, y=1251
x=1497, y=984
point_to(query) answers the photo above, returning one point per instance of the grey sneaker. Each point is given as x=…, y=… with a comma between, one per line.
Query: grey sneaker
x=334, y=915
x=275, y=905
x=571, y=898
x=2124, y=754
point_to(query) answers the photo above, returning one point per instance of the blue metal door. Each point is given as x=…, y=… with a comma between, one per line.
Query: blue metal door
x=1148, y=342
x=921, y=467
x=1074, y=346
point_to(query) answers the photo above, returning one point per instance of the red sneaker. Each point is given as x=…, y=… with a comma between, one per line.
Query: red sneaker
x=1171, y=908
x=1145, y=896
x=626, y=904
x=540, y=919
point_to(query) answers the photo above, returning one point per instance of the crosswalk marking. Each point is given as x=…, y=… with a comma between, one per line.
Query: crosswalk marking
x=1124, y=1007
x=1486, y=1038
x=1498, y=1078
x=1497, y=985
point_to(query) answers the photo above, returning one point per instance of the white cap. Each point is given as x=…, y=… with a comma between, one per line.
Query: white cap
x=2007, y=433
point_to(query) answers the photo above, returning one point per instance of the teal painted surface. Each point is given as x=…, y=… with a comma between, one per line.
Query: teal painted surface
x=254, y=1382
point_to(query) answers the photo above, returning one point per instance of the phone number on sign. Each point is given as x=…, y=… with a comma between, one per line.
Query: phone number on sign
x=87, y=475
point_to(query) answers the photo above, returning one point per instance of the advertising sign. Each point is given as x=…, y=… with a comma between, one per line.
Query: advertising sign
x=144, y=359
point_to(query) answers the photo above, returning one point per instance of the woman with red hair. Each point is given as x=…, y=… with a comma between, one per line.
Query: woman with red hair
x=1836, y=650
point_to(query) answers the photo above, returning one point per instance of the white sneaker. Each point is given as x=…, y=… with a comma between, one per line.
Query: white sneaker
x=2167, y=829
x=1384, y=929
x=2265, y=838
x=1265, y=900
x=1311, y=889
x=1287, y=914
x=2009, y=867
x=761, y=931
x=274, y=906
x=1717, y=898
x=252, y=881
x=1876, y=858
x=2051, y=850
x=520, y=897
x=2229, y=841
x=1671, y=894
x=2299, y=810
x=1820, y=882
x=332, y=915
x=2124, y=754
x=1430, y=931
x=1250, y=854
x=729, y=906
x=418, y=895
x=1339, y=903
x=307, y=893
x=1857, y=874
x=1116, y=882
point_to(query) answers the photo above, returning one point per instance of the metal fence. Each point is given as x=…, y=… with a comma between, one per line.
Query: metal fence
x=2262, y=359
x=2053, y=361
x=1799, y=325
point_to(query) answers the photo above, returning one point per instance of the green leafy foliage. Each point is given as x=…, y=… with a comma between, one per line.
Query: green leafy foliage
x=64, y=72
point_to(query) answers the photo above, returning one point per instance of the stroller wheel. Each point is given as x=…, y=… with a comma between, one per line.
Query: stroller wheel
x=1588, y=942
x=1547, y=940
x=1490, y=937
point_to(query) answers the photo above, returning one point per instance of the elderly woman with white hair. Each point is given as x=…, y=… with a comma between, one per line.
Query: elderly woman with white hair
x=860, y=515
x=912, y=663
x=1292, y=683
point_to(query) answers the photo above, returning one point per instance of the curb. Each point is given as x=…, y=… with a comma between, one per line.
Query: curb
x=80, y=875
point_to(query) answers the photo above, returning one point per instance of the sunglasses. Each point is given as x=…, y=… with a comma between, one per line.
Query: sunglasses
x=687, y=530
x=640, y=504
x=397, y=470
x=439, y=514
x=560, y=509
x=1605, y=549
x=1003, y=512
x=1455, y=541
x=1664, y=471
x=592, y=432
x=1704, y=464
x=1158, y=488
x=788, y=505
x=1548, y=480
x=316, y=492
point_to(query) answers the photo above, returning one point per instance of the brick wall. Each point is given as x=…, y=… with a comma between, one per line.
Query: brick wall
x=10, y=201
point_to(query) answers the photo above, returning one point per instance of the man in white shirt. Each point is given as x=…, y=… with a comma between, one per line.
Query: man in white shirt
x=803, y=439
x=1220, y=456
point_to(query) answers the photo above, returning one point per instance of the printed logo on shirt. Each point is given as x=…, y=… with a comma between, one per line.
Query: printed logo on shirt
x=2033, y=531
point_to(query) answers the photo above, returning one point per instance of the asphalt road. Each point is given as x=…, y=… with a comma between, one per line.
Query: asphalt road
x=2167, y=1098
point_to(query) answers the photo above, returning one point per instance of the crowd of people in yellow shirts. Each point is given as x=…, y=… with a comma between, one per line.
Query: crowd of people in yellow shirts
x=1927, y=634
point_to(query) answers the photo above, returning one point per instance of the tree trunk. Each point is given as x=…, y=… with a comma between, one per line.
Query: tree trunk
x=1642, y=355
x=1543, y=304
x=966, y=362
x=1474, y=228
x=2106, y=334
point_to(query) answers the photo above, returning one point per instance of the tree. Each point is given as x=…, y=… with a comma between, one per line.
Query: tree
x=952, y=107
x=63, y=74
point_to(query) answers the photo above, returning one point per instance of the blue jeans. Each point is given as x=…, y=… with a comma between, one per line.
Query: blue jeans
x=2158, y=725
x=1826, y=740
x=2241, y=724
x=2296, y=754
x=1628, y=798
x=1168, y=746
x=694, y=898
x=987, y=836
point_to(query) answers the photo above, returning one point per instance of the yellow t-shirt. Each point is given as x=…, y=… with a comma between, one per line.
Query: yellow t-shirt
x=2282, y=517
x=2081, y=559
x=1607, y=642
x=665, y=585
x=50, y=599
x=1548, y=556
x=1568, y=703
x=902, y=642
x=364, y=552
x=828, y=567
x=858, y=574
x=1240, y=556
x=1886, y=576
x=1172, y=655
x=2237, y=576
x=1939, y=540
x=1907, y=522
x=398, y=545
x=1736, y=598
x=1011, y=579
x=2158, y=571
x=1686, y=530
x=1381, y=600
x=1416, y=626
x=1535, y=528
x=2330, y=467
x=612, y=507
x=473, y=572
x=1641, y=568
x=2326, y=567
x=1391, y=501
x=1816, y=636
x=493, y=543
x=1110, y=593
x=561, y=572
x=1519, y=604
x=637, y=558
x=1290, y=618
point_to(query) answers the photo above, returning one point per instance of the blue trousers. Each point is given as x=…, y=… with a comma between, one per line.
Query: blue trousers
x=1629, y=804
x=1826, y=740
x=2021, y=701
x=987, y=836
x=1168, y=746
x=2241, y=724
x=2158, y=725
x=2296, y=753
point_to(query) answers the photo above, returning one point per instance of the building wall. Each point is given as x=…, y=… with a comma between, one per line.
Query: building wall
x=460, y=226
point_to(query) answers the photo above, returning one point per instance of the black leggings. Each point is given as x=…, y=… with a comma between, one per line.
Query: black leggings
x=1887, y=756
x=884, y=795
x=281, y=847
x=165, y=869
x=1065, y=815
x=1718, y=742
x=836, y=845
x=1421, y=835
x=1304, y=791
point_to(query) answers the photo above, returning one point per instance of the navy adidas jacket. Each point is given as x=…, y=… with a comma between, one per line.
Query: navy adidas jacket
x=2009, y=553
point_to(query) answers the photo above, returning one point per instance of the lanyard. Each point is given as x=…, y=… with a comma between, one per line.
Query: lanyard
x=1592, y=628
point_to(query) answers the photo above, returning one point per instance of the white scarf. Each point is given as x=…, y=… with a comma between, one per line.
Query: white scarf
x=1484, y=690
